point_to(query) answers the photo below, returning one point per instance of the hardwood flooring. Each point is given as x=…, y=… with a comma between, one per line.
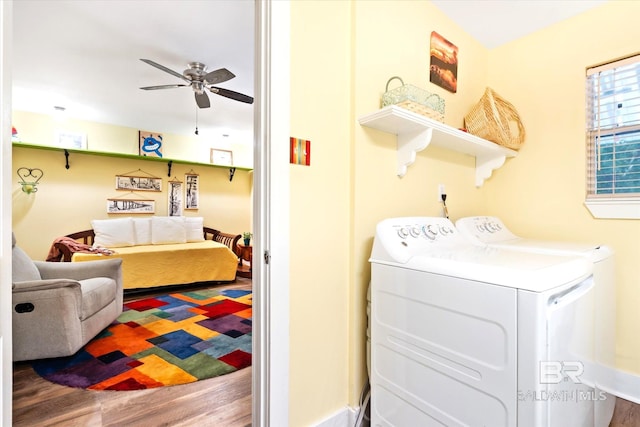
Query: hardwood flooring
x=218, y=402
x=626, y=414
x=223, y=401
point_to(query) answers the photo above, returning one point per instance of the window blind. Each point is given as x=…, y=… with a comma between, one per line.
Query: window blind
x=613, y=129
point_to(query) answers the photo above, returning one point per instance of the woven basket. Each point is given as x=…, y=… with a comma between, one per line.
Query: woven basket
x=495, y=119
x=414, y=99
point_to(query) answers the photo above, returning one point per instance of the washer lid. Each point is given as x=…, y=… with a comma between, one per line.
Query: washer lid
x=490, y=230
x=521, y=270
x=433, y=244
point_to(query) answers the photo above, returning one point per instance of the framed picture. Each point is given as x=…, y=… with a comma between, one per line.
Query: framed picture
x=131, y=206
x=191, y=191
x=443, y=70
x=221, y=157
x=135, y=183
x=149, y=144
x=76, y=141
x=174, y=198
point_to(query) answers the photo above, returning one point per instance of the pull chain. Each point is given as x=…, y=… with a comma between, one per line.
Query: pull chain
x=196, y=120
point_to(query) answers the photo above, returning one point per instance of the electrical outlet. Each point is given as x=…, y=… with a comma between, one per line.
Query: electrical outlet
x=441, y=191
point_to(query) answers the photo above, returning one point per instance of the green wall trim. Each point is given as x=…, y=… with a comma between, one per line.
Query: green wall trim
x=126, y=156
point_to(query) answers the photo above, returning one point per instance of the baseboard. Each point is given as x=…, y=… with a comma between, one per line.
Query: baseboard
x=345, y=417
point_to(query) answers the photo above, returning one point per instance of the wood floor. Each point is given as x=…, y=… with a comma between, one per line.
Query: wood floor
x=223, y=401
x=218, y=402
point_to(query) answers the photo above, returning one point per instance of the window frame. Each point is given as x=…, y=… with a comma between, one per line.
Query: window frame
x=613, y=205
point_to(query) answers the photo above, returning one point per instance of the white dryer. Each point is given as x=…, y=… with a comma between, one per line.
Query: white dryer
x=465, y=335
x=491, y=231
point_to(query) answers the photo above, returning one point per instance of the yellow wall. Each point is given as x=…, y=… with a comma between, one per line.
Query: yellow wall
x=541, y=192
x=320, y=197
x=383, y=50
x=67, y=200
x=40, y=129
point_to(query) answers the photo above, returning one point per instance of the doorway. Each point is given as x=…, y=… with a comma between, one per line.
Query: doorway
x=271, y=205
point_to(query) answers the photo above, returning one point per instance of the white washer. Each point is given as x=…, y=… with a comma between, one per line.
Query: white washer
x=491, y=231
x=464, y=335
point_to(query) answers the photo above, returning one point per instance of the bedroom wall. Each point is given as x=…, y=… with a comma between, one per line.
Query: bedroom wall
x=68, y=199
x=40, y=129
x=541, y=192
x=381, y=51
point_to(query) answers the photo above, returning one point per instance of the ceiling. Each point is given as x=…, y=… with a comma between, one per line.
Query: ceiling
x=496, y=22
x=85, y=55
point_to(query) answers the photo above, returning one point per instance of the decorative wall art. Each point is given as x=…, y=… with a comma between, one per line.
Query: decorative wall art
x=138, y=180
x=192, y=192
x=174, y=198
x=300, y=151
x=150, y=144
x=221, y=157
x=130, y=204
x=444, y=63
x=73, y=140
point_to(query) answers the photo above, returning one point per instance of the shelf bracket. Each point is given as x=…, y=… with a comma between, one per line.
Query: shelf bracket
x=232, y=172
x=409, y=143
x=485, y=165
x=66, y=159
x=169, y=168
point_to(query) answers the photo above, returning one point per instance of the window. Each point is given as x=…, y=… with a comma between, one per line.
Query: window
x=613, y=139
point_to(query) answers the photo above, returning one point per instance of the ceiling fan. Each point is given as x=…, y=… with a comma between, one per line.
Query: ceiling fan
x=200, y=80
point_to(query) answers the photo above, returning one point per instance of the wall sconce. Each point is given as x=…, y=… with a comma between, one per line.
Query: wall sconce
x=30, y=186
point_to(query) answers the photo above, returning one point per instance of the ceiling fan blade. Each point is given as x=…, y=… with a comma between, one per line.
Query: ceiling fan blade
x=162, y=87
x=165, y=69
x=202, y=100
x=218, y=76
x=231, y=94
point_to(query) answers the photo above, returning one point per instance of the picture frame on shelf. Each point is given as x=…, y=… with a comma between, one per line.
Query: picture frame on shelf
x=71, y=140
x=221, y=157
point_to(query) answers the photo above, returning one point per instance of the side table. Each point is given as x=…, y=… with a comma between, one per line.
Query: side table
x=246, y=254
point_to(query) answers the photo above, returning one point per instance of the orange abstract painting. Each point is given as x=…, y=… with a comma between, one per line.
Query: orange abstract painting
x=444, y=63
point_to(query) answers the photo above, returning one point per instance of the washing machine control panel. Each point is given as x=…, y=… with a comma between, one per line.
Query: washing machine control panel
x=398, y=239
x=484, y=229
x=428, y=231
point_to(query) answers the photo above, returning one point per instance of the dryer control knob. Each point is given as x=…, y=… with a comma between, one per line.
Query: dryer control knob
x=430, y=232
x=403, y=233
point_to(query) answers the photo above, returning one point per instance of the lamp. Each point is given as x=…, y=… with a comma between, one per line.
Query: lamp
x=31, y=185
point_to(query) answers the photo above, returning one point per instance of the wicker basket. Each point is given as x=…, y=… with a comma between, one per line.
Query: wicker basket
x=495, y=119
x=414, y=99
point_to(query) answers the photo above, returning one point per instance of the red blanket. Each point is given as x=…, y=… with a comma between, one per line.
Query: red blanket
x=55, y=255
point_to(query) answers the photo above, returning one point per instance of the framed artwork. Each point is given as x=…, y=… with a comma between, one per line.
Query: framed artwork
x=299, y=151
x=149, y=144
x=76, y=141
x=131, y=206
x=443, y=70
x=174, y=198
x=192, y=194
x=221, y=157
x=141, y=183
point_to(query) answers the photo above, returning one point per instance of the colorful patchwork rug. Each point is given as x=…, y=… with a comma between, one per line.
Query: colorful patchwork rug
x=165, y=340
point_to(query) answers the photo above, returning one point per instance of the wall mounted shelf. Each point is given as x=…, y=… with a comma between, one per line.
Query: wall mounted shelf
x=416, y=132
x=169, y=162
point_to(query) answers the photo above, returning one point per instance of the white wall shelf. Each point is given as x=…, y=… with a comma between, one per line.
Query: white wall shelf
x=416, y=132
